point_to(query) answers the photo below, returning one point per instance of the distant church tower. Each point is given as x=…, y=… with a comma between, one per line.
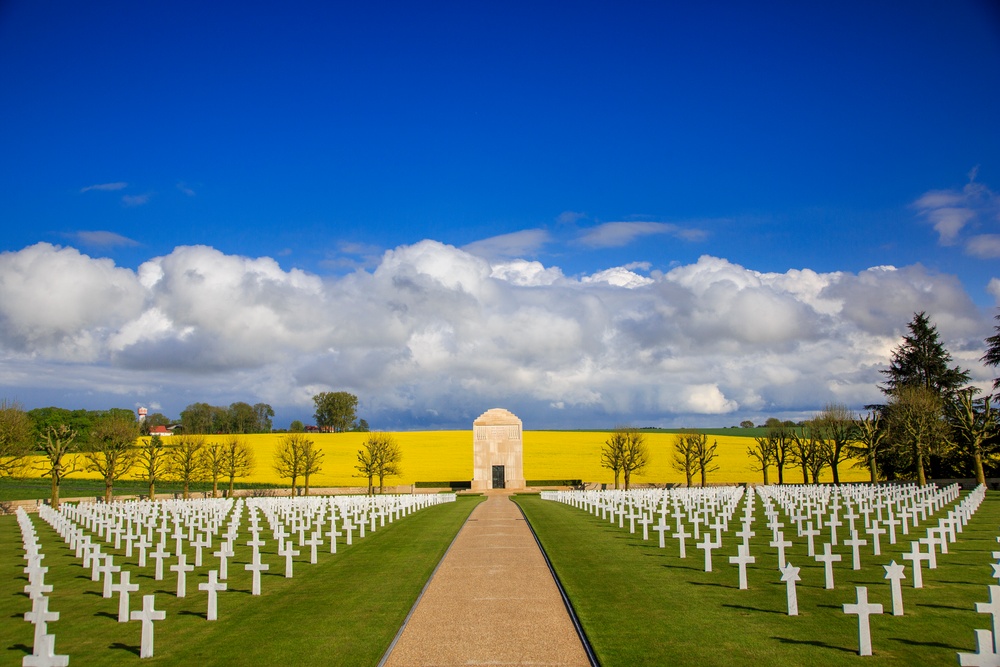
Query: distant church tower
x=497, y=451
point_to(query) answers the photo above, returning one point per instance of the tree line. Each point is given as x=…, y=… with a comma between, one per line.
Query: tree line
x=933, y=423
x=56, y=442
x=115, y=449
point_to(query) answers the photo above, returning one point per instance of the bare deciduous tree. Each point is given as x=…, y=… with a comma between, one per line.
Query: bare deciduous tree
x=288, y=462
x=151, y=460
x=185, y=461
x=213, y=458
x=625, y=453
x=112, y=449
x=238, y=460
x=974, y=426
x=57, y=443
x=763, y=455
x=685, y=457
x=917, y=427
x=379, y=457
x=836, y=427
x=312, y=462
x=870, y=436
x=705, y=455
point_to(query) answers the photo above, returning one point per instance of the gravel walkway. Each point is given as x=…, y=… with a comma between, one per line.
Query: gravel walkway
x=492, y=601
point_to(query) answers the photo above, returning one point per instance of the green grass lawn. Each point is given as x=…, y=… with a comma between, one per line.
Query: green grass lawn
x=345, y=610
x=640, y=605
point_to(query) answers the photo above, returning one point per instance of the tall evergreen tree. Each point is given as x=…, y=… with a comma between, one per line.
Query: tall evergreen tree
x=921, y=361
x=992, y=356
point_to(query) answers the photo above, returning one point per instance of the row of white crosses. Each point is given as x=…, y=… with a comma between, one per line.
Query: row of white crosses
x=891, y=511
x=987, y=653
x=911, y=504
x=43, y=650
x=138, y=526
x=103, y=564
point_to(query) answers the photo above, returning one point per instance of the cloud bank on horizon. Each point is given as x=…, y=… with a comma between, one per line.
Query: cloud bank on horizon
x=434, y=334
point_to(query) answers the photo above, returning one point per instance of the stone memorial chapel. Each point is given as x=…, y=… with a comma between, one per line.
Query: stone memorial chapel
x=497, y=451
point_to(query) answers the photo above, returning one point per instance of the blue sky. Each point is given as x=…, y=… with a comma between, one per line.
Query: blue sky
x=695, y=195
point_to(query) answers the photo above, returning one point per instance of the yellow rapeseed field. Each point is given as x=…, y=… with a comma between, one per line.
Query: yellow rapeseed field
x=442, y=456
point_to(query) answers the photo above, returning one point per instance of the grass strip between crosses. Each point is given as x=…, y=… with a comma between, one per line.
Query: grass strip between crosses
x=344, y=610
x=640, y=605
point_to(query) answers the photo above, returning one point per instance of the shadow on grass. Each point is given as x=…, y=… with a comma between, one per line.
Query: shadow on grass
x=199, y=614
x=765, y=611
x=125, y=647
x=684, y=567
x=107, y=614
x=941, y=606
x=911, y=642
x=814, y=642
x=20, y=647
x=709, y=583
x=961, y=583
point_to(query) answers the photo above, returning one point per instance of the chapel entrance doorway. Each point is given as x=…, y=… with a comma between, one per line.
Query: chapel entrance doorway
x=498, y=477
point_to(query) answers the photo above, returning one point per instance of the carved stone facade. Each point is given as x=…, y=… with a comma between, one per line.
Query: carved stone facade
x=497, y=451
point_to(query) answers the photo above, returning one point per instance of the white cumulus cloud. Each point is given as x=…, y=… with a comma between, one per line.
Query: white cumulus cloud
x=434, y=333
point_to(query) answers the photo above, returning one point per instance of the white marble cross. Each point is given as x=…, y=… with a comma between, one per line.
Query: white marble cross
x=892, y=522
x=224, y=553
x=894, y=573
x=855, y=543
x=181, y=568
x=213, y=587
x=780, y=543
x=718, y=527
x=333, y=534
x=44, y=654
x=314, y=541
x=288, y=552
x=745, y=534
x=985, y=655
x=916, y=556
x=993, y=609
x=110, y=570
x=662, y=529
x=876, y=531
x=681, y=534
x=864, y=610
x=123, y=588
x=742, y=560
x=40, y=616
x=790, y=575
x=37, y=587
x=935, y=536
x=833, y=523
x=707, y=545
x=645, y=521
x=828, y=559
x=158, y=555
x=142, y=543
x=810, y=534
x=96, y=559
x=256, y=567
x=348, y=526
x=147, y=615
x=198, y=545
x=904, y=515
